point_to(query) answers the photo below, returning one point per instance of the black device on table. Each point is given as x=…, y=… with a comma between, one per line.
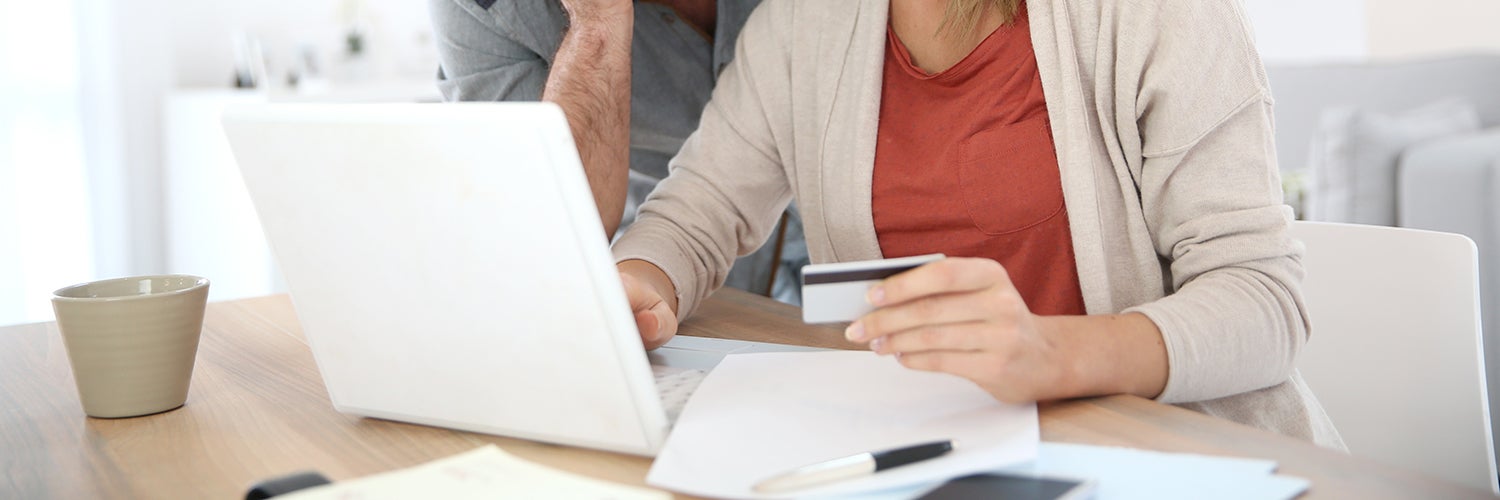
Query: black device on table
x=1012, y=487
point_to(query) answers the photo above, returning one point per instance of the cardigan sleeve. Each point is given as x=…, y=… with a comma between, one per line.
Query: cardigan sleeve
x=1234, y=319
x=726, y=188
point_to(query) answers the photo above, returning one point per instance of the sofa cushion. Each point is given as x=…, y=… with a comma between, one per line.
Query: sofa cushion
x=1354, y=156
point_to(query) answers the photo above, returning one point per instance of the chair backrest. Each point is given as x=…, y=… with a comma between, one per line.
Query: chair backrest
x=1395, y=355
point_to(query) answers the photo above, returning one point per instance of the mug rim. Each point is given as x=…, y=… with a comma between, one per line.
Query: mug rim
x=199, y=282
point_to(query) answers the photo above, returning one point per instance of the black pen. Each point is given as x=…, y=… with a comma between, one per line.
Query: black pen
x=852, y=466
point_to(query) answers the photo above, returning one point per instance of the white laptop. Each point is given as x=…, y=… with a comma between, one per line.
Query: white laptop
x=448, y=267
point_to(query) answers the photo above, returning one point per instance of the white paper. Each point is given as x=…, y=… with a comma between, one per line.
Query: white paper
x=484, y=473
x=1124, y=473
x=759, y=415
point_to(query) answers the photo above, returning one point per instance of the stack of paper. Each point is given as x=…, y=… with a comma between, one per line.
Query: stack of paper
x=759, y=415
x=484, y=473
x=1123, y=473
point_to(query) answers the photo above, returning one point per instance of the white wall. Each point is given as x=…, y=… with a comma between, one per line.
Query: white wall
x=1310, y=31
x=1403, y=28
x=126, y=68
x=1313, y=31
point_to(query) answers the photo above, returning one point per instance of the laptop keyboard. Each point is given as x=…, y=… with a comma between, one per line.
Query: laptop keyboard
x=675, y=386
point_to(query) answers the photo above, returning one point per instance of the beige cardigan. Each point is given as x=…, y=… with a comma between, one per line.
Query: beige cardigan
x=1161, y=117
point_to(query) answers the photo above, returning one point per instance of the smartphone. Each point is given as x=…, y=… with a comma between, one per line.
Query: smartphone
x=1013, y=486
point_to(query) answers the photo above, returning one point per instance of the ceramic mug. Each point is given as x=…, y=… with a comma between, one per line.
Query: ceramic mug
x=132, y=341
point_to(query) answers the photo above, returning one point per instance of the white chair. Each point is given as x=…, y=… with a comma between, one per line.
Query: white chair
x=1396, y=352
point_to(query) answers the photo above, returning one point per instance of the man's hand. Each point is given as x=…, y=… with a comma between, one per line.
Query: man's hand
x=653, y=300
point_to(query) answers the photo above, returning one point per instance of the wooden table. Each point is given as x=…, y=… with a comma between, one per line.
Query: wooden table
x=257, y=409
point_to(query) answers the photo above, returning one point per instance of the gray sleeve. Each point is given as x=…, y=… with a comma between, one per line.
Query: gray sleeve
x=481, y=59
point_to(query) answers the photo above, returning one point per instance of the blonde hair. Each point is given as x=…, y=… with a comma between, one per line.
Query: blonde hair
x=962, y=16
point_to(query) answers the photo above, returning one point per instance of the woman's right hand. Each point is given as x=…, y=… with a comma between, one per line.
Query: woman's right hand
x=653, y=301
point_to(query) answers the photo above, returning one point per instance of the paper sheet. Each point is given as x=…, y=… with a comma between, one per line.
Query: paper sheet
x=485, y=473
x=1124, y=473
x=758, y=415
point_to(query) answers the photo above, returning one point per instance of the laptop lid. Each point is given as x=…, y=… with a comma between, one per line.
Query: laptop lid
x=449, y=268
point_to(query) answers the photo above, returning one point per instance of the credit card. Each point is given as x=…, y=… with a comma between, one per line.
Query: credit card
x=833, y=293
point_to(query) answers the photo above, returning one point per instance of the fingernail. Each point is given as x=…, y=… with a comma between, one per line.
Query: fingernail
x=876, y=295
x=876, y=344
x=855, y=332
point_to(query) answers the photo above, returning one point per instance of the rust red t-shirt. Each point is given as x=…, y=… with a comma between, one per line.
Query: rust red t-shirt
x=965, y=165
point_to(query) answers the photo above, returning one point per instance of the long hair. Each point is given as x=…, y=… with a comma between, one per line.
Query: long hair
x=962, y=16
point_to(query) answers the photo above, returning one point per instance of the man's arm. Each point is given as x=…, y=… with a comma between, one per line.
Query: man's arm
x=588, y=76
x=590, y=80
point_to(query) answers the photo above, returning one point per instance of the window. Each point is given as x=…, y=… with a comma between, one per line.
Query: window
x=45, y=227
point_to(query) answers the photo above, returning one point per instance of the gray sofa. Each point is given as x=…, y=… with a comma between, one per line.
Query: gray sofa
x=1304, y=92
x=1449, y=184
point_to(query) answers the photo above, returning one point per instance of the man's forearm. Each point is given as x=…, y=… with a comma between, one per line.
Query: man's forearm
x=590, y=80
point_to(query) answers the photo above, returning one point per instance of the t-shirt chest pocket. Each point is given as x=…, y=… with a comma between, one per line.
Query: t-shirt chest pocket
x=1008, y=177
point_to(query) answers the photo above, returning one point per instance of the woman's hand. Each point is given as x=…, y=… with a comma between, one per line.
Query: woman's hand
x=653, y=300
x=963, y=316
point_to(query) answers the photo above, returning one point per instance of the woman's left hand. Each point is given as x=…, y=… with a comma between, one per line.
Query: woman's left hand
x=963, y=316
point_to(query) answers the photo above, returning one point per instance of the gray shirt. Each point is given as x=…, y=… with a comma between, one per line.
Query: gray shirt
x=502, y=50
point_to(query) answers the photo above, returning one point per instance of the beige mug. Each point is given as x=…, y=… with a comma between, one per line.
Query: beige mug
x=132, y=341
